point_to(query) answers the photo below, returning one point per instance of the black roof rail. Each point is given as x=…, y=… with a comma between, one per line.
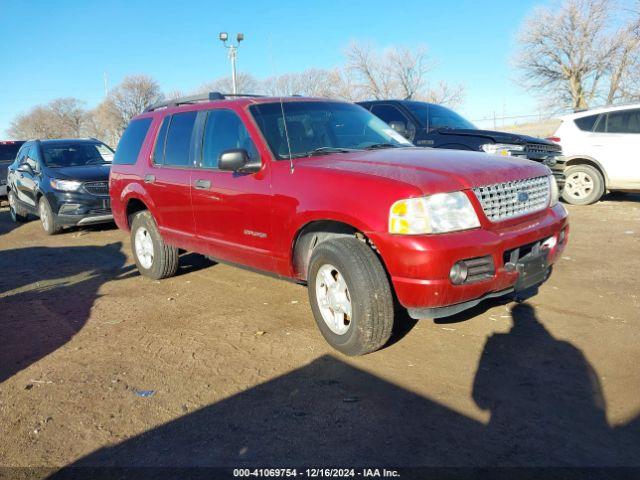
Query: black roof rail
x=202, y=97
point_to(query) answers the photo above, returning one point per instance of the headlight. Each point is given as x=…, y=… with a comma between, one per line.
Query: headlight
x=503, y=149
x=555, y=194
x=65, y=185
x=439, y=213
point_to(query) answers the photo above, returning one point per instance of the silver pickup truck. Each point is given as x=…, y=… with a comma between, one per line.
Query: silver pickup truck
x=8, y=151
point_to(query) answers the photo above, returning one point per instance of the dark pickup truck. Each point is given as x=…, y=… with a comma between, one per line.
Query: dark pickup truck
x=8, y=151
x=430, y=125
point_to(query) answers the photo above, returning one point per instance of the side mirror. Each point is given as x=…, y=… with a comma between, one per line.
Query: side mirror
x=399, y=127
x=25, y=168
x=237, y=160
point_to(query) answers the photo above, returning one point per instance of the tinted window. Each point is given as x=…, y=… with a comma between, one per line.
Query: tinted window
x=158, y=149
x=601, y=124
x=389, y=114
x=75, y=154
x=131, y=142
x=586, y=123
x=178, y=143
x=8, y=151
x=223, y=131
x=33, y=157
x=434, y=116
x=627, y=121
x=313, y=125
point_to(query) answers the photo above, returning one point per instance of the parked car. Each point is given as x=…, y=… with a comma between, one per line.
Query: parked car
x=601, y=147
x=64, y=182
x=8, y=151
x=325, y=194
x=430, y=125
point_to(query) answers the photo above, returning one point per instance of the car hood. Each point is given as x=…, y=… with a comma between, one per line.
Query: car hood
x=431, y=170
x=90, y=173
x=497, y=137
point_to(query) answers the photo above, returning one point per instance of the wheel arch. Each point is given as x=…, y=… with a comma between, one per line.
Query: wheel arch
x=587, y=160
x=134, y=205
x=313, y=233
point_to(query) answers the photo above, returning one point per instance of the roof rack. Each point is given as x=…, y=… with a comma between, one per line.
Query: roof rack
x=203, y=97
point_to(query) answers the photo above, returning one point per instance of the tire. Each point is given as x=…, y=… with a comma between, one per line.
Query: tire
x=584, y=185
x=17, y=214
x=153, y=257
x=368, y=294
x=48, y=219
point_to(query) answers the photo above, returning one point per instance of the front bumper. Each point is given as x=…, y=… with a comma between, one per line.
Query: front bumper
x=74, y=208
x=419, y=265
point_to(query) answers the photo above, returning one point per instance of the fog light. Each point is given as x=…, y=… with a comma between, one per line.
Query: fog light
x=458, y=273
x=69, y=208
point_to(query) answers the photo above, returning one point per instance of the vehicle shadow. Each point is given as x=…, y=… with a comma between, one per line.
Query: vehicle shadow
x=622, y=197
x=6, y=225
x=46, y=296
x=546, y=409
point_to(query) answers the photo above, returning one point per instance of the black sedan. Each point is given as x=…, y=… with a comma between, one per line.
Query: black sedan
x=65, y=182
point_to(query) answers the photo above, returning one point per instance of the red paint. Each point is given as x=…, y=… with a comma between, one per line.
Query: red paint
x=254, y=219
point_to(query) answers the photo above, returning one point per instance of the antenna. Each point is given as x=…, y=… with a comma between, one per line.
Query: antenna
x=286, y=134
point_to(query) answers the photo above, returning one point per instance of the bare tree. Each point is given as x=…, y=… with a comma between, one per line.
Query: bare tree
x=104, y=123
x=572, y=55
x=397, y=72
x=132, y=96
x=246, y=83
x=60, y=118
x=625, y=62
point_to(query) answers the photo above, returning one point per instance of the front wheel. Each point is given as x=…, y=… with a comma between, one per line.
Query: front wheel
x=153, y=257
x=350, y=296
x=48, y=219
x=17, y=216
x=584, y=185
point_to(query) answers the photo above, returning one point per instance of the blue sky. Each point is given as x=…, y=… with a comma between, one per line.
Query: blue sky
x=51, y=49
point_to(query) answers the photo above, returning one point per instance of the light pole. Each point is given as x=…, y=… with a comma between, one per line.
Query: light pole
x=233, y=54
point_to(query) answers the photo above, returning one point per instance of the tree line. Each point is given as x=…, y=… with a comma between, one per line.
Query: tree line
x=367, y=73
x=573, y=55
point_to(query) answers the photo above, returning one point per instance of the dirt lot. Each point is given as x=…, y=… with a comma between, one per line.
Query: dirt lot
x=220, y=366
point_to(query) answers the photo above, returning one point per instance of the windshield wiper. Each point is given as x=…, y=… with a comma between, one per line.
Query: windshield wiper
x=377, y=146
x=327, y=150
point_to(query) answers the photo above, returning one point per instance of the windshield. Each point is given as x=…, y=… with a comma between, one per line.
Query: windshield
x=76, y=154
x=8, y=151
x=435, y=116
x=322, y=127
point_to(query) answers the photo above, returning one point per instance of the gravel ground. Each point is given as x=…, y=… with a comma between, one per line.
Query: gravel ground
x=220, y=366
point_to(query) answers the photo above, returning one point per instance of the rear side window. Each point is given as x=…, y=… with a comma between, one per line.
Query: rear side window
x=177, y=147
x=224, y=131
x=131, y=142
x=627, y=121
x=586, y=123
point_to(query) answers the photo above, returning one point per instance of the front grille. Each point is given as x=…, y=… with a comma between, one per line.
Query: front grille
x=502, y=201
x=542, y=148
x=97, y=188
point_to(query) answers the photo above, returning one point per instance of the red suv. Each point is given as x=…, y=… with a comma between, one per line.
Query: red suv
x=324, y=193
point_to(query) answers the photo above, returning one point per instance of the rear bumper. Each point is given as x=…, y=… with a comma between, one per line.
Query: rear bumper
x=419, y=266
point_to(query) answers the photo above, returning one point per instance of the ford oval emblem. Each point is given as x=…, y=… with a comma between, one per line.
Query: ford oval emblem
x=523, y=196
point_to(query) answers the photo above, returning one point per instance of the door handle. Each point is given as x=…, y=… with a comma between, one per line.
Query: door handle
x=149, y=179
x=202, y=184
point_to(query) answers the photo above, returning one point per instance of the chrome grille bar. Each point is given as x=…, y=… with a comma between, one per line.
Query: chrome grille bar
x=502, y=201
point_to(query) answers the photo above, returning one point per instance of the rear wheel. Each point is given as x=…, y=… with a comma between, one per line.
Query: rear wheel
x=153, y=257
x=48, y=219
x=17, y=214
x=584, y=185
x=350, y=296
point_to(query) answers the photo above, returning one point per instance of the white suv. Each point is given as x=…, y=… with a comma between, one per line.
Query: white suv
x=602, y=150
